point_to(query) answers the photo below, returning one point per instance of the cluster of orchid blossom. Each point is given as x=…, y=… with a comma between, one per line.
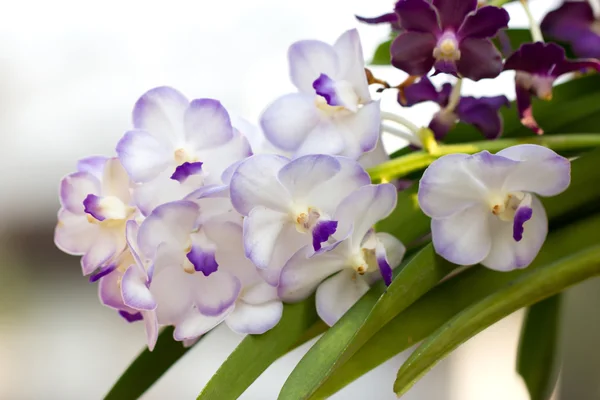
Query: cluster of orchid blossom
x=196, y=221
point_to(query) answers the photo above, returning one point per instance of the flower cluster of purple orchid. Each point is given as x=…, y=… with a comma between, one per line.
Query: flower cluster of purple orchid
x=197, y=220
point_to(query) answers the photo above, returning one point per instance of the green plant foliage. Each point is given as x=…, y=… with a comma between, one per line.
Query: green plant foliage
x=536, y=358
x=148, y=367
x=446, y=300
x=534, y=285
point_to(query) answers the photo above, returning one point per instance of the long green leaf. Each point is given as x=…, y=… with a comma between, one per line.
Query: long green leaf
x=148, y=367
x=257, y=352
x=536, y=357
x=368, y=315
x=450, y=297
x=371, y=313
x=532, y=287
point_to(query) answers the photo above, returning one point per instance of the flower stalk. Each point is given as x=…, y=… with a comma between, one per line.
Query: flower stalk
x=534, y=27
x=402, y=166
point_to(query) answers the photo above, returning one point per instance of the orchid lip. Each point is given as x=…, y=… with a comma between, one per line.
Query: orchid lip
x=447, y=48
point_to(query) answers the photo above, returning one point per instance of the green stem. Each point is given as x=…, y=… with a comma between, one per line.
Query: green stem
x=534, y=27
x=418, y=160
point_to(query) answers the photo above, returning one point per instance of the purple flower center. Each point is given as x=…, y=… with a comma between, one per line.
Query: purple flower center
x=447, y=47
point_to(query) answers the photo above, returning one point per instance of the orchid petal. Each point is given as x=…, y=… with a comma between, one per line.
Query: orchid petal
x=93, y=165
x=115, y=181
x=359, y=131
x=160, y=112
x=218, y=159
x=107, y=245
x=479, y=59
x=463, y=238
x=351, y=63
x=151, y=324
x=289, y=119
x=306, y=172
x=196, y=324
x=325, y=138
x=207, y=124
x=506, y=253
x=254, y=319
x=255, y=183
x=74, y=234
x=134, y=288
x=74, y=188
x=541, y=170
x=308, y=59
x=109, y=291
x=262, y=228
x=170, y=223
x=484, y=23
x=338, y=293
x=418, y=16
x=143, y=156
x=171, y=289
x=412, y=52
x=216, y=293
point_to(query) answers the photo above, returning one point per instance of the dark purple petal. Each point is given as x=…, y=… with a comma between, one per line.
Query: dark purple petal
x=479, y=59
x=91, y=206
x=389, y=18
x=325, y=86
x=522, y=215
x=535, y=58
x=417, y=16
x=131, y=317
x=185, y=170
x=568, y=21
x=453, y=12
x=412, y=52
x=419, y=92
x=384, y=266
x=484, y=23
x=444, y=95
x=441, y=123
x=575, y=65
x=322, y=231
x=586, y=45
x=445, y=67
x=525, y=110
x=102, y=272
x=483, y=114
x=203, y=260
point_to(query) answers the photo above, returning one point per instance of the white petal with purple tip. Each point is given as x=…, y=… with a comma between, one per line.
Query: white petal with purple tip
x=215, y=293
x=351, y=62
x=160, y=111
x=74, y=188
x=134, y=288
x=308, y=59
x=74, y=234
x=289, y=119
x=254, y=319
x=262, y=228
x=301, y=175
x=465, y=237
x=338, y=293
x=196, y=324
x=542, y=171
x=143, y=156
x=207, y=124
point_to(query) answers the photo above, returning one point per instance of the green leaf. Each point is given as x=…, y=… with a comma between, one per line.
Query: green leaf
x=256, y=352
x=447, y=299
x=565, y=208
x=536, y=357
x=533, y=286
x=365, y=318
x=382, y=54
x=148, y=367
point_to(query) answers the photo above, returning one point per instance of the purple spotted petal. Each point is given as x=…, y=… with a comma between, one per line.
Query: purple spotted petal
x=484, y=23
x=523, y=215
x=479, y=59
x=535, y=58
x=91, y=205
x=412, y=52
x=382, y=262
x=131, y=317
x=185, y=170
x=203, y=260
x=453, y=12
x=325, y=86
x=417, y=16
x=102, y=272
x=420, y=92
x=322, y=231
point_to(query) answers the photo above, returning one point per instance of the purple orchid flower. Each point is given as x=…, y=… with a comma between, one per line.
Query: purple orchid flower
x=479, y=112
x=484, y=207
x=537, y=66
x=451, y=35
x=574, y=23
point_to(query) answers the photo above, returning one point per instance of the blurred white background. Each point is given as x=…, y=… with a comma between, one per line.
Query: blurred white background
x=70, y=72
